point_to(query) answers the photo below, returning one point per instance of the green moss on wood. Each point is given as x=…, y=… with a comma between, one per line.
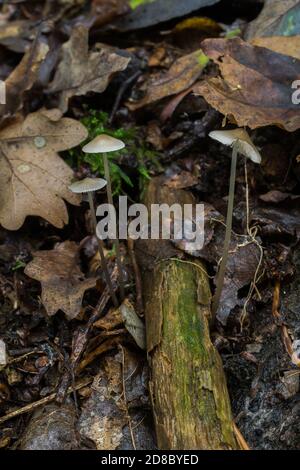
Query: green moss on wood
x=188, y=381
x=188, y=387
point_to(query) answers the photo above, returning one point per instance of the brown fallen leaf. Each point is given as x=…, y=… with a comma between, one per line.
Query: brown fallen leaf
x=23, y=77
x=255, y=86
x=81, y=71
x=63, y=283
x=277, y=18
x=33, y=178
x=181, y=75
x=289, y=45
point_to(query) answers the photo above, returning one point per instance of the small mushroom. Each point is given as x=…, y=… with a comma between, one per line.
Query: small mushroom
x=240, y=136
x=240, y=142
x=103, y=144
x=89, y=186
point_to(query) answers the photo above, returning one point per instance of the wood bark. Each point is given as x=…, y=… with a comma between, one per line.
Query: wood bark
x=188, y=386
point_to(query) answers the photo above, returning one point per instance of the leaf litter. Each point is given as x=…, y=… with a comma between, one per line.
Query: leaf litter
x=91, y=71
x=254, y=88
x=59, y=328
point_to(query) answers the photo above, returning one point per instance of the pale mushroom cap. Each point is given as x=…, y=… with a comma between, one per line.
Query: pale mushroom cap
x=103, y=143
x=246, y=146
x=87, y=185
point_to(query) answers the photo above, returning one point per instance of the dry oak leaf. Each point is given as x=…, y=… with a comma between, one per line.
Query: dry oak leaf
x=181, y=75
x=63, y=283
x=23, y=77
x=81, y=71
x=255, y=86
x=33, y=178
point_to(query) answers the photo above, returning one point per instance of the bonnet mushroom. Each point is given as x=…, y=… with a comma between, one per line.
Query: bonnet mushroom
x=240, y=142
x=103, y=144
x=89, y=186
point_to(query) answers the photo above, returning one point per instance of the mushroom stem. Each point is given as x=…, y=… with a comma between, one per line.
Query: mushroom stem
x=110, y=201
x=221, y=273
x=101, y=252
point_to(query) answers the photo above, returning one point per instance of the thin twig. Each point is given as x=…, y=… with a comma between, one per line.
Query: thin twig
x=20, y=358
x=121, y=92
x=43, y=401
x=239, y=437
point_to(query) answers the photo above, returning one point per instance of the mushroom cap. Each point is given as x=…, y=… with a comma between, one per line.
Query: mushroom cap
x=246, y=146
x=103, y=143
x=87, y=185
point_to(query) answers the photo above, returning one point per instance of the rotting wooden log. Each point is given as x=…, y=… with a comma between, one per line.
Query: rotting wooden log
x=188, y=386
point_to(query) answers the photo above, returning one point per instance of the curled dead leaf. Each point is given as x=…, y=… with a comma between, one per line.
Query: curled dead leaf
x=23, y=77
x=90, y=71
x=63, y=283
x=182, y=74
x=255, y=86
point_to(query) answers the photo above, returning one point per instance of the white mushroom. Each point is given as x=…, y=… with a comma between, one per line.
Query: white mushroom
x=240, y=142
x=240, y=136
x=104, y=144
x=89, y=186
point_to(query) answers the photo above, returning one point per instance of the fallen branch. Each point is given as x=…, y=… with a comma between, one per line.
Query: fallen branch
x=188, y=386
